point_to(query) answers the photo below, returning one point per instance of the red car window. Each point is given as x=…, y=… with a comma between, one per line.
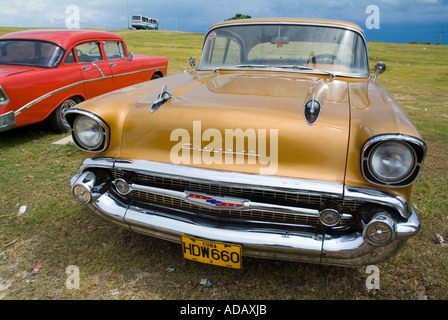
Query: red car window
x=114, y=50
x=89, y=52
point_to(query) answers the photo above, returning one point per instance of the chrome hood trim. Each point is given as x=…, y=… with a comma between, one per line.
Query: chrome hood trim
x=256, y=181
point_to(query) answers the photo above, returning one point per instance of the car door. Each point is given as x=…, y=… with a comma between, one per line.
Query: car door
x=96, y=71
x=126, y=72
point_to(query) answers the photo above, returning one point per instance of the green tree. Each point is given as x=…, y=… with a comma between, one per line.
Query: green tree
x=239, y=16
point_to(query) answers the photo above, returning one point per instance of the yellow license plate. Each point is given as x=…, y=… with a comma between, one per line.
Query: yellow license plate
x=211, y=252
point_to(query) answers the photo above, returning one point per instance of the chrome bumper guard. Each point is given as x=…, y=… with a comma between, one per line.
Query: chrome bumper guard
x=7, y=121
x=350, y=249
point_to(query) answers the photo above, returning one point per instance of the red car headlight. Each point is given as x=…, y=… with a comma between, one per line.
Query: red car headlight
x=3, y=97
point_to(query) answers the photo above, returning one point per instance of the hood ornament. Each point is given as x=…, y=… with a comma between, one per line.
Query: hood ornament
x=312, y=110
x=163, y=97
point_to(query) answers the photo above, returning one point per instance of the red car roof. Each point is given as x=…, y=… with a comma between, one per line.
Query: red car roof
x=62, y=37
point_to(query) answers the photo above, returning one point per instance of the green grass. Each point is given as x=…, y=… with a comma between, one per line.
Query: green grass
x=178, y=47
x=116, y=263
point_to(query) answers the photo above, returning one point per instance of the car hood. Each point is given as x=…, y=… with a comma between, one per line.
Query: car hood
x=247, y=122
x=7, y=70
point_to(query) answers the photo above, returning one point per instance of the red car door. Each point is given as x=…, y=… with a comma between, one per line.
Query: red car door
x=96, y=71
x=126, y=72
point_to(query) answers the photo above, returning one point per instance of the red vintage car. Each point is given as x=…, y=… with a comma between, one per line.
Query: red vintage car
x=43, y=73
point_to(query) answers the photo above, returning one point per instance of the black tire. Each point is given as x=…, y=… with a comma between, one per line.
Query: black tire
x=57, y=120
x=156, y=76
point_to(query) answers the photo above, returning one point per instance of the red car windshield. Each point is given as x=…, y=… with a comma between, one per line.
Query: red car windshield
x=30, y=53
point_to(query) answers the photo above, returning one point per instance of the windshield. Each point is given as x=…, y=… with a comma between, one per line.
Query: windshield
x=331, y=49
x=30, y=53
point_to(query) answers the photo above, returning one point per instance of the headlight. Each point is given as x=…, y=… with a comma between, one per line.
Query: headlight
x=392, y=160
x=3, y=97
x=89, y=132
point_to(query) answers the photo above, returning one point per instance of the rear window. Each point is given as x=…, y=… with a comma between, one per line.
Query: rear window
x=30, y=53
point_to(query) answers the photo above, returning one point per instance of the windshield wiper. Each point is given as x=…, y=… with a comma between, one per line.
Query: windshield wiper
x=332, y=75
x=297, y=67
x=241, y=66
x=251, y=66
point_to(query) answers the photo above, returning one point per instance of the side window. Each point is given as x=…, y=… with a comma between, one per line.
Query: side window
x=88, y=52
x=70, y=58
x=114, y=50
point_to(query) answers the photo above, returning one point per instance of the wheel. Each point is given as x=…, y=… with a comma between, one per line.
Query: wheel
x=57, y=120
x=156, y=76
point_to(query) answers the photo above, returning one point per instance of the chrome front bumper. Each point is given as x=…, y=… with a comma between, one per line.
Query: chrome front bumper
x=7, y=121
x=348, y=249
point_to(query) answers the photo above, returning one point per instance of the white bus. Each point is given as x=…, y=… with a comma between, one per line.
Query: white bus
x=140, y=22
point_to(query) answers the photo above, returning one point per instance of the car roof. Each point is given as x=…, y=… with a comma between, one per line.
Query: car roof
x=320, y=22
x=62, y=37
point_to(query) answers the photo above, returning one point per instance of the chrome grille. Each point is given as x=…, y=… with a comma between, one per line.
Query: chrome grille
x=265, y=196
x=258, y=215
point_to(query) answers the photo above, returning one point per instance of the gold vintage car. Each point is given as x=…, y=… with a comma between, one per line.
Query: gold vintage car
x=278, y=144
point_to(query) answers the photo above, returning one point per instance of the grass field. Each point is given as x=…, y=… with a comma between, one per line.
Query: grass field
x=55, y=232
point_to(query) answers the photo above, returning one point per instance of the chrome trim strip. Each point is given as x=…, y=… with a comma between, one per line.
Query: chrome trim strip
x=45, y=96
x=158, y=191
x=138, y=71
x=397, y=137
x=254, y=181
x=305, y=212
x=100, y=162
x=330, y=25
x=299, y=71
x=101, y=71
x=374, y=195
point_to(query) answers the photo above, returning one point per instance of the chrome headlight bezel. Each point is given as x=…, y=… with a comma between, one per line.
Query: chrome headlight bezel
x=74, y=116
x=4, y=99
x=404, y=146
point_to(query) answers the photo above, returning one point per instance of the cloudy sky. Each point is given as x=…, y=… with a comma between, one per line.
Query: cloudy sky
x=382, y=20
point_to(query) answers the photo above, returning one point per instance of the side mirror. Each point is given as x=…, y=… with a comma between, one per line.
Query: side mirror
x=130, y=56
x=379, y=68
x=193, y=63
